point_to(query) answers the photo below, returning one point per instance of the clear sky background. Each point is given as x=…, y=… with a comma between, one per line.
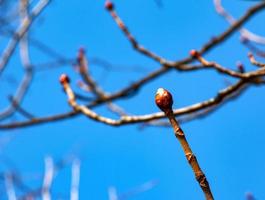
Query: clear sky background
x=229, y=143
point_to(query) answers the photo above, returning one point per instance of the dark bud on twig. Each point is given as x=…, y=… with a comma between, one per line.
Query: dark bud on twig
x=194, y=53
x=164, y=100
x=109, y=5
x=240, y=67
x=64, y=79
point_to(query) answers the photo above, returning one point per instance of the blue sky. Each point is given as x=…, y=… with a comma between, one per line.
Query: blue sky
x=228, y=143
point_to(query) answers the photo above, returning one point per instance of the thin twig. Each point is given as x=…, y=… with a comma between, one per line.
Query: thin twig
x=253, y=60
x=24, y=54
x=21, y=110
x=224, y=70
x=48, y=177
x=92, y=85
x=112, y=192
x=22, y=29
x=111, y=8
x=234, y=27
x=10, y=190
x=245, y=33
x=164, y=101
x=75, y=180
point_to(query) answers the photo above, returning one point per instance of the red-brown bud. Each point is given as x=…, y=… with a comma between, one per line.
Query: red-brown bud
x=109, y=5
x=64, y=79
x=194, y=53
x=164, y=100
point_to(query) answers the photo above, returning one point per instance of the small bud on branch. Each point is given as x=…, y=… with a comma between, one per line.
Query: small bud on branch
x=109, y=5
x=240, y=67
x=164, y=100
x=194, y=53
x=64, y=79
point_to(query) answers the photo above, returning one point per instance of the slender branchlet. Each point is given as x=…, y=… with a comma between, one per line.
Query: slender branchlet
x=82, y=61
x=164, y=101
x=254, y=61
x=111, y=9
x=224, y=70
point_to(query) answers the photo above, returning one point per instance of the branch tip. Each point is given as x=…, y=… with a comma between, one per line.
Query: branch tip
x=109, y=5
x=194, y=53
x=64, y=78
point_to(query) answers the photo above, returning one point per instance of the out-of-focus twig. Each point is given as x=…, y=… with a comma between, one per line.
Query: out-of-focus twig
x=224, y=70
x=112, y=192
x=256, y=50
x=21, y=110
x=111, y=8
x=245, y=33
x=254, y=61
x=250, y=196
x=75, y=180
x=24, y=54
x=92, y=85
x=10, y=190
x=48, y=177
x=22, y=29
x=114, y=195
x=138, y=190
